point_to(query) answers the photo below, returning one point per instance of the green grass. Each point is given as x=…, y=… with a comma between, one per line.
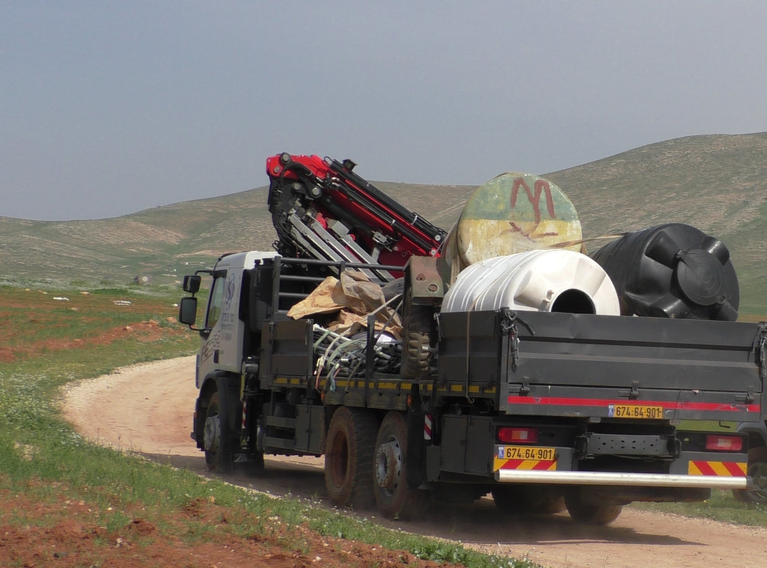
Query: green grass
x=45, y=461
x=720, y=507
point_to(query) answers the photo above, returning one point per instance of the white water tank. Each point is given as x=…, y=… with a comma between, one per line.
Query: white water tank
x=539, y=280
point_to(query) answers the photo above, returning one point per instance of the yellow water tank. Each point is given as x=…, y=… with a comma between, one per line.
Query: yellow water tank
x=513, y=212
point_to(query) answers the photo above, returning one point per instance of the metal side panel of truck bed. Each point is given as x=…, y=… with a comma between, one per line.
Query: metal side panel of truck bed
x=582, y=365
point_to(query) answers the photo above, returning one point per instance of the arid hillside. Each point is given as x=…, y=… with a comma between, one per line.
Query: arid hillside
x=717, y=183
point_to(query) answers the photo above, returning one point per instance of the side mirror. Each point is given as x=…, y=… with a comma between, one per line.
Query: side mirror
x=187, y=311
x=192, y=283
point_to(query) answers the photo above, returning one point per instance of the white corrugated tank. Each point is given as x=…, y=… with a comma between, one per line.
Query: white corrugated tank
x=538, y=280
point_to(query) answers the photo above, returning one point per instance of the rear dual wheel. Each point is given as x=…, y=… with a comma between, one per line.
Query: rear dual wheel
x=349, y=446
x=589, y=511
x=528, y=499
x=365, y=464
x=757, y=469
x=393, y=496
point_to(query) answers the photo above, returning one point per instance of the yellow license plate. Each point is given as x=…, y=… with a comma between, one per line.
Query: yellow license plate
x=526, y=453
x=635, y=411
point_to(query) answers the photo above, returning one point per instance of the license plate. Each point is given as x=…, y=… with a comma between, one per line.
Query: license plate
x=635, y=411
x=526, y=453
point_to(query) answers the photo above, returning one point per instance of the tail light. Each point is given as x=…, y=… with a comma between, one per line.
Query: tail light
x=718, y=443
x=508, y=435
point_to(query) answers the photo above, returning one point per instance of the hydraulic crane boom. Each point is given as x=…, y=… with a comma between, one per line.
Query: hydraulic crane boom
x=321, y=209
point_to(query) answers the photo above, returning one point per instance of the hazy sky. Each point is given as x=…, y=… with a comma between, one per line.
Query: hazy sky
x=107, y=107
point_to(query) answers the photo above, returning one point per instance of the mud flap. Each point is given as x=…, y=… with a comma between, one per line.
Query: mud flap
x=416, y=449
x=230, y=409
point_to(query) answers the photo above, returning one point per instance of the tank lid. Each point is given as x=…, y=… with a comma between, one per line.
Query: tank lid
x=701, y=277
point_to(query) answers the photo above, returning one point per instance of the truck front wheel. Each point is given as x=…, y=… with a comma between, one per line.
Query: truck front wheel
x=216, y=458
x=349, y=457
x=393, y=497
x=588, y=511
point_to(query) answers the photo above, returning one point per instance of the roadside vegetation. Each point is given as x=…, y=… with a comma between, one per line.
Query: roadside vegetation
x=64, y=498
x=722, y=506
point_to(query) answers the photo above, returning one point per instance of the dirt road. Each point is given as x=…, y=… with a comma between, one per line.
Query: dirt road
x=148, y=409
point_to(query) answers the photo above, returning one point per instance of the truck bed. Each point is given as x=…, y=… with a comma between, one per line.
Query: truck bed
x=583, y=365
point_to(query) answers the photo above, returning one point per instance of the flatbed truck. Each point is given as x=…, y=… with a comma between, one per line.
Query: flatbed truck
x=541, y=410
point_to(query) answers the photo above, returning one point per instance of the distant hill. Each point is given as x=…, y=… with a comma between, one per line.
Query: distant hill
x=162, y=243
x=717, y=183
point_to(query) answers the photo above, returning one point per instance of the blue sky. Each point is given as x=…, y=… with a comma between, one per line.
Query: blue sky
x=108, y=108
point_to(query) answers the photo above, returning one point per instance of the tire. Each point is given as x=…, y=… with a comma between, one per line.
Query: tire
x=349, y=458
x=757, y=468
x=217, y=459
x=417, y=324
x=393, y=496
x=528, y=499
x=253, y=465
x=589, y=512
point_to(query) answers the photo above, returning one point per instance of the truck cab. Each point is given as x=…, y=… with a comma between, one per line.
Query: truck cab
x=223, y=326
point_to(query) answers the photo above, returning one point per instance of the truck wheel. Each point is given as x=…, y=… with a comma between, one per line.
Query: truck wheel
x=528, y=499
x=757, y=468
x=392, y=495
x=589, y=512
x=417, y=326
x=254, y=464
x=349, y=457
x=216, y=459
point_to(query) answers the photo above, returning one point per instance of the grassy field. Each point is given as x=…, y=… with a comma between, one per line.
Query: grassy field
x=65, y=499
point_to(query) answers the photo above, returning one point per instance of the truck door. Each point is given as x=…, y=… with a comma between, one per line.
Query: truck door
x=219, y=350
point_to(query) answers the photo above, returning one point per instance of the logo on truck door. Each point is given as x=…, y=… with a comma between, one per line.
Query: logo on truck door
x=210, y=346
x=229, y=292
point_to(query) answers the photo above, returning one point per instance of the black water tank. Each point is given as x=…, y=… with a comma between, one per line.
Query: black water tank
x=674, y=271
